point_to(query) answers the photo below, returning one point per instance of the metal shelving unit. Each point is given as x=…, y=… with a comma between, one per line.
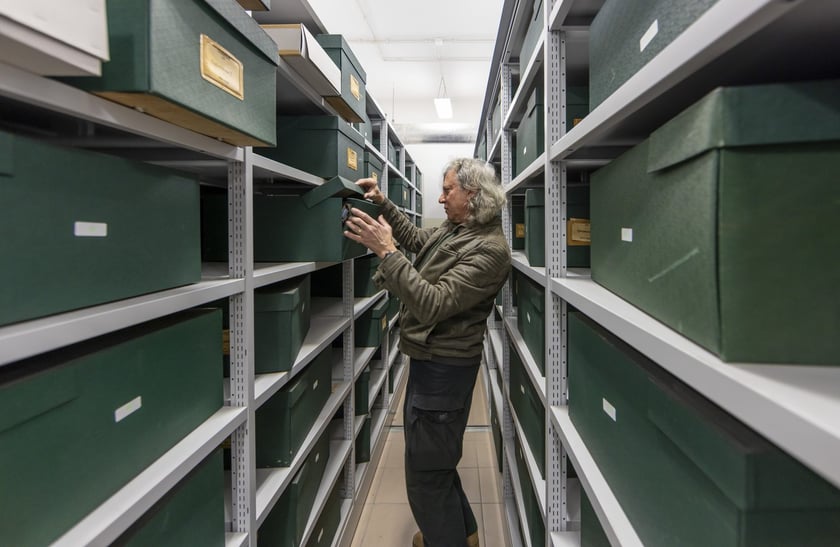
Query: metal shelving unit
x=115, y=129
x=735, y=42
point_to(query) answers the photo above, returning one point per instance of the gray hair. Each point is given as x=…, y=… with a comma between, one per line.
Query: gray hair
x=479, y=177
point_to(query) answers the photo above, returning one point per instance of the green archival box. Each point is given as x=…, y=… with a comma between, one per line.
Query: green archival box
x=362, y=388
x=496, y=428
x=204, y=65
x=315, y=219
x=517, y=218
x=677, y=462
x=398, y=192
x=281, y=321
x=328, y=281
x=373, y=166
x=363, y=442
x=624, y=36
x=327, y=526
x=191, y=515
x=533, y=515
x=532, y=36
x=106, y=227
x=78, y=423
x=285, y=524
x=325, y=146
x=529, y=409
x=535, y=226
x=371, y=325
x=351, y=104
x=530, y=136
x=283, y=422
x=591, y=532
x=701, y=227
x=530, y=318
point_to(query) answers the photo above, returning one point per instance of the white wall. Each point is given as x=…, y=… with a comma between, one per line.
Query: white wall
x=431, y=158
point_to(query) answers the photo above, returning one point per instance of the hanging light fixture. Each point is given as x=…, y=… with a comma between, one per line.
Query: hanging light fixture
x=443, y=105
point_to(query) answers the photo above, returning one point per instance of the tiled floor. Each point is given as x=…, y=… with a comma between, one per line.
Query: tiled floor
x=386, y=519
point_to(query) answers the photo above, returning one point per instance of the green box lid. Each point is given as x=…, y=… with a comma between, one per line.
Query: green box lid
x=379, y=309
x=233, y=13
x=281, y=296
x=749, y=116
x=337, y=41
x=288, y=124
x=535, y=197
x=336, y=187
x=373, y=159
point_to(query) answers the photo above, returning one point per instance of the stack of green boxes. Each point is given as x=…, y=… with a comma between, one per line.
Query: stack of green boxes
x=692, y=464
x=205, y=65
x=700, y=225
x=352, y=103
x=69, y=415
x=192, y=513
x=285, y=524
x=283, y=422
x=290, y=227
x=326, y=528
x=281, y=321
x=529, y=410
x=326, y=146
x=530, y=135
x=372, y=324
x=530, y=317
x=531, y=505
x=624, y=36
x=94, y=218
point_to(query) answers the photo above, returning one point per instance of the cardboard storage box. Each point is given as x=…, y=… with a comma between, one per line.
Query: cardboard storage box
x=530, y=317
x=283, y=421
x=192, y=513
x=531, y=505
x=535, y=226
x=624, y=36
x=535, y=30
x=373, y=166
x=530, y=412
x=285, y=524
x=281, y=321
x=325, y=146
x=54, y=38
x=351, y=104
x=90, y=219
x=204, y=65
x=287, y=228
x=306, y=57
x=701, y=227
x=80, y=422
x=677, y=462
x=399, y=192
x=327, y=526
x=530, y=135
x=371, y=325
x=363, y=443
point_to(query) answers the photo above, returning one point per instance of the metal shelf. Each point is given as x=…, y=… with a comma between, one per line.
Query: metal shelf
x=794, y=406
x=565, y=539
x=535, y=273
x=361, y=359
x=361, y=305
x=537, y=379
x=108, y=521
x=377, y=380
x=29, y=338
x=236, y=539
x=266, y=273
x=519, y=506
x=339, y=452
x=271, y=483
x=612, y=517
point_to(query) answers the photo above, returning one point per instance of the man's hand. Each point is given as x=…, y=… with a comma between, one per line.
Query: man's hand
x=372, y=192
x=375, y=234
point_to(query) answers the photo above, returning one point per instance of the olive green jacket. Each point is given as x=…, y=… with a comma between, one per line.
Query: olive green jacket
x=445, y=303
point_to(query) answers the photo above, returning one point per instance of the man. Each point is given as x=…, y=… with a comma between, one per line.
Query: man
x=446, y=296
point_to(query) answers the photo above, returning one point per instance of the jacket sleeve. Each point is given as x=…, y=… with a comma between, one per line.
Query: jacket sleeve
x=476, y=275
x=404, y=231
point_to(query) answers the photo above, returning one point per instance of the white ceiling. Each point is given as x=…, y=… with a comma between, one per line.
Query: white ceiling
x=406, y=46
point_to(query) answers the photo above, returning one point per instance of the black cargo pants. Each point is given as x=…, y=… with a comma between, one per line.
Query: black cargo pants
x=437, y=406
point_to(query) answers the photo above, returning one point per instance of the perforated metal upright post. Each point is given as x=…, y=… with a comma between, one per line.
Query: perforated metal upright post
x=507, y=304
x=347, y=301
x=241, y=265
x=556, y=265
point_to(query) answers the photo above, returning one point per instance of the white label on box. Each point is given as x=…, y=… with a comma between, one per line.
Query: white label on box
x=524, y=150
x=609, y=409
x=522, y=388
x=320, y=535
x=128, y=409
x=649, y=35
x=90, y=229
x=315, y=385
x=528, y=316
x=627, y=234
x=317, y=457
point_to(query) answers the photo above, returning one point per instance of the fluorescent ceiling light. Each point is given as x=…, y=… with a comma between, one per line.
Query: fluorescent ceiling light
x=443, y=106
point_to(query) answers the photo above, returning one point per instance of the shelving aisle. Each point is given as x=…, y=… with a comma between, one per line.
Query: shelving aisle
x=544, y=56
